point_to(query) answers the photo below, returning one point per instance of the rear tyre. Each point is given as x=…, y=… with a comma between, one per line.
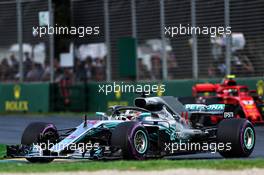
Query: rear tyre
x=38, y=133
x=239, y=134
x=132, y=138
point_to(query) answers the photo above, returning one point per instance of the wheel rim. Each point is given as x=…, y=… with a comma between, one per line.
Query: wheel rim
x=140, y=142
x=249, y=137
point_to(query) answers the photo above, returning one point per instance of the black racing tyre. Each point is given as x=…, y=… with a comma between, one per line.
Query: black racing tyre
x=239, y=134
x=132, y=138
x=39, y=132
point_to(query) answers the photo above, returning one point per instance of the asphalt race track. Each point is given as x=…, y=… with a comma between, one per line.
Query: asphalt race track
x=11, y=128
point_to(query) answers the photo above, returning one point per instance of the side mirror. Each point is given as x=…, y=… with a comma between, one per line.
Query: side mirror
x=253, y=93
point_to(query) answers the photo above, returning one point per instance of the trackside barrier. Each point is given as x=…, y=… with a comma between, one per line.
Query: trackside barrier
x=44, y=97
x=33, y=97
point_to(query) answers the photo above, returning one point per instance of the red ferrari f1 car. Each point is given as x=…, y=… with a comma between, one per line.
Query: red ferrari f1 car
x=243, y=102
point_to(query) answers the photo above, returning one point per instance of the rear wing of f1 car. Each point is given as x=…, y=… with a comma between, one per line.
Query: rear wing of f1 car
x=213, y=109
x=201, y=108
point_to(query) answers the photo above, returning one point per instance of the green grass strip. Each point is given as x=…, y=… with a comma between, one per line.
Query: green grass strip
x=224, y=164
x=2, y=151
x=160, y=164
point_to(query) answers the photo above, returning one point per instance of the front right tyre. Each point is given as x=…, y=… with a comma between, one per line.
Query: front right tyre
x=39, y=133
x=239, y=134
x=132, y=138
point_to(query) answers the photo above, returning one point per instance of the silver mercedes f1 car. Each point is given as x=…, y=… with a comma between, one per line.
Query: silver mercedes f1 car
x=153, y=128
